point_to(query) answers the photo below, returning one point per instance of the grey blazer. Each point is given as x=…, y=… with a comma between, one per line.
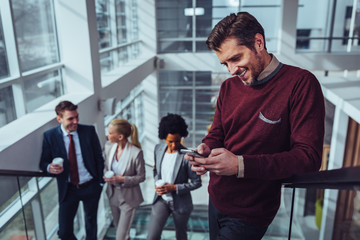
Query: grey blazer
x=182, y=175
x=134, y=171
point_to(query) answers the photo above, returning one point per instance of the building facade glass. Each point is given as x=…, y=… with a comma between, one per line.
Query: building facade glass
x=28, y=49
x=118, y=31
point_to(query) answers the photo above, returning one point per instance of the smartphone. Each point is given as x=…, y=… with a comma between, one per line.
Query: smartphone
x=191, y=152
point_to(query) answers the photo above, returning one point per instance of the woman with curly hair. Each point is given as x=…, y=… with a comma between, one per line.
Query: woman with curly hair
x=172, y=174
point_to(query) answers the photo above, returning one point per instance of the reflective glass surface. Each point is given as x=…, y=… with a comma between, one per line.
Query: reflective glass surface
x=120, y=22
x=172, y=19
x=50, y=207
x=11, y=193
x=42, y=89
x=191, y=95
x=117, y=24
x=175, y=20
x=7, y=106
x=174, y=78
x=4, y=68
x=329, y=27
x=35, y=33
x=16, y=227
x=103, y=23
x=174, y=46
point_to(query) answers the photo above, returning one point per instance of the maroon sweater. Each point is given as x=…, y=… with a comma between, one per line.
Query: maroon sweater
x=278, y=128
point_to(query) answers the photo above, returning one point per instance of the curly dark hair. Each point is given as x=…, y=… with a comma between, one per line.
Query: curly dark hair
x=172, y=123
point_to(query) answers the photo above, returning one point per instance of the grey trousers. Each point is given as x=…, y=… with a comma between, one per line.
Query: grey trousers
x=160, y=212
x=123, y=215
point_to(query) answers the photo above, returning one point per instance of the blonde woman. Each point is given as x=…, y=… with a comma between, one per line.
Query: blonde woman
x=125, y=159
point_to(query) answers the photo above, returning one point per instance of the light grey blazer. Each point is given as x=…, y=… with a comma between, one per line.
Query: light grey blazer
x=182, y=175
x=134, y=171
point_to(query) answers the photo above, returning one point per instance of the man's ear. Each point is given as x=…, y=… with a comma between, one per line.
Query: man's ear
x=259, y=42
x=58, y=118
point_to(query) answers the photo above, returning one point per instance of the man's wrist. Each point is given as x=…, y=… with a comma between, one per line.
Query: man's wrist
x=240, y=173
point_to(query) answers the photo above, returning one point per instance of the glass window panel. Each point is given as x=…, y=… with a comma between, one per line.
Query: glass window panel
x=134, y=21
x=343, y=13
x=205, y=110
x=10, y=191
x=121, y=21
x=347, y=224
x=175, y=46
x=174, y=28
x=106, y=62
x=135, y=50
x=103, y=23
x=201, y=46
x=4, y=67
x=176, y=101
x=16, y=227
x=50, y=207
x=175, y=78
x=35, y=33
x=42, y=89
x=171, y=19
x=203, y=78
x=117, y=23
x=7, y=106
x=172, y=24
x=338, y=46
x=204, y=18
x=319, y=26
x=123, y=55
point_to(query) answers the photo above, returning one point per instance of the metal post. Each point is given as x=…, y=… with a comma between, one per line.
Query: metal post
x=291, y=213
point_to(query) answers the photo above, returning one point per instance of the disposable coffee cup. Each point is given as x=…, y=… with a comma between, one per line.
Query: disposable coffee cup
x=58, y=161
x=109, y=174
x=160, y=183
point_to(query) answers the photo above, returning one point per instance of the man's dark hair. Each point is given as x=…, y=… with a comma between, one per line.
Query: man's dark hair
x=65, y=105
x=173, y=124
x=243, y=26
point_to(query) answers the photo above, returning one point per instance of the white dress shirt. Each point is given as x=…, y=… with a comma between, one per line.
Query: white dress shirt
x=84, y=175
x=167, y=171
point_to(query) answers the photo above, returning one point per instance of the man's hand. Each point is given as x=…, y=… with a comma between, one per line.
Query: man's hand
x=203, y=149
x=220, y=161
x=55, y=168
x=167, y=188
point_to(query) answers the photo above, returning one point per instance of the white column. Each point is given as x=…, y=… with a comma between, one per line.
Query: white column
x=336, y=156
x=78, y=40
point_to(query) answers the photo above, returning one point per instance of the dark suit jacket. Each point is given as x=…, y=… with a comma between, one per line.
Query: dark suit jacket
x=54, y=146
x=182, y=175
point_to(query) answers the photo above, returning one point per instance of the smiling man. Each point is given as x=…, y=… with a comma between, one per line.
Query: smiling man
x=268, y=125
x=80, y=176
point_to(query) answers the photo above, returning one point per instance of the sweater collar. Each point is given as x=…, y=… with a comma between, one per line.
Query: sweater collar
x=270, y=70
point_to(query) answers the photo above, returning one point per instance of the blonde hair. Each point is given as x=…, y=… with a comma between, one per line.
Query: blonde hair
x=122, y=126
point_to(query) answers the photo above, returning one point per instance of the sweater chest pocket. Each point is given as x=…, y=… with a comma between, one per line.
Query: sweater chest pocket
x=268, y=127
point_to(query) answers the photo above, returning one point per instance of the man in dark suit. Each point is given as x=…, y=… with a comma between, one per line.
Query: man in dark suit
x=80, y=177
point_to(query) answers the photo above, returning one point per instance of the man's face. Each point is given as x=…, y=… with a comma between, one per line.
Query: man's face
x=241, y=61
x=69, y=120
